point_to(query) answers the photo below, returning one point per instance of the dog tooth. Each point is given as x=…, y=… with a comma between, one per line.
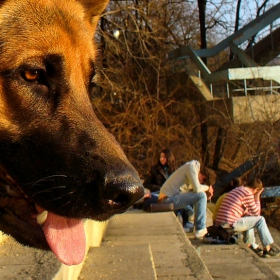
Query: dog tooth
x=41, y=218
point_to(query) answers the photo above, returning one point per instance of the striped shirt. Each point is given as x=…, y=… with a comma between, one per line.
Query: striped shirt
x=236, y=204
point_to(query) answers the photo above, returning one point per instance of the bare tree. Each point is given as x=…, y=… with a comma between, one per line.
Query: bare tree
x=147, y=101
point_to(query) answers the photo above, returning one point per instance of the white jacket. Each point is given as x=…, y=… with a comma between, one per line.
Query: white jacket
x=184, y=179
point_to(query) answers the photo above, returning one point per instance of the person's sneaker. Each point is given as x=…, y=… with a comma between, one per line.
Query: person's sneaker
x=188, y=227
x=271, y=253
x=257, y=250
x=198, y=234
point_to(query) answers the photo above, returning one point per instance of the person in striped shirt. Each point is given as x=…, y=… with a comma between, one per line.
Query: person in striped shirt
x=234, y=183
x=248, y=235
x=240, y=209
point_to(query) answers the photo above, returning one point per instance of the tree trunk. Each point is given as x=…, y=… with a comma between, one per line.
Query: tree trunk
x=202, y=23
x=204, y=144
x=221, y=134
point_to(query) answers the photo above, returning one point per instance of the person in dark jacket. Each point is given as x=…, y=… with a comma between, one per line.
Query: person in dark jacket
x=158, y=174
x=160, y=171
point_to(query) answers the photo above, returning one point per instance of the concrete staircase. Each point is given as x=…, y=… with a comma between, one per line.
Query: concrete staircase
x=138, y=245
x=153, y=246
x=236, y=262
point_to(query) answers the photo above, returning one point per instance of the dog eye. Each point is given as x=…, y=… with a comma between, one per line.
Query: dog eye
x=36, y=76
x=31, y=75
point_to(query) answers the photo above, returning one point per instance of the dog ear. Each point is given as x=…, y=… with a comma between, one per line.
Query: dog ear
x=93, y=9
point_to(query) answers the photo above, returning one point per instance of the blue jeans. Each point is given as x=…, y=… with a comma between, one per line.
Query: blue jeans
x=198, y=200
x=248, y=224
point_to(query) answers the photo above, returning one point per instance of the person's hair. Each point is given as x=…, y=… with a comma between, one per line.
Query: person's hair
x=255, y=183
x=170, y=159
x=210, y=176
x=234, y=183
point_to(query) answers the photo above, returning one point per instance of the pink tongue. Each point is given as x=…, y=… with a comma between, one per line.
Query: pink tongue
x=66, y=238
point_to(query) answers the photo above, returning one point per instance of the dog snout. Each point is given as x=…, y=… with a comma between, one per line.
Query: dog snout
x=121, y=195
x=124, y=196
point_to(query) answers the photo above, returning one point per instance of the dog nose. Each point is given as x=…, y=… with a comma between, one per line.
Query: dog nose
x=123, y=194
x=126, y=196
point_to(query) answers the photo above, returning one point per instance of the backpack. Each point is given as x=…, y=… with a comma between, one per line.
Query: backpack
x=220, y=235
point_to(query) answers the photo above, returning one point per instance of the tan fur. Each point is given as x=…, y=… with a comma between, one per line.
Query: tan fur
x=47, y=126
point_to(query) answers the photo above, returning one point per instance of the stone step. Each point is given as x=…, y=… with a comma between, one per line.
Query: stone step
x=140, y=245
x=235, y=262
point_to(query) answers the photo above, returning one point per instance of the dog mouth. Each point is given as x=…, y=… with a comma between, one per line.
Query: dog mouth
x=65, y=236
x=35, y=226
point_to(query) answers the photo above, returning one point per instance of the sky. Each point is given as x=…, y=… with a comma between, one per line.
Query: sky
x=225, y=11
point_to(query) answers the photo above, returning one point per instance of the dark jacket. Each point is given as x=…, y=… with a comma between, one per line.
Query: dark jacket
x=157, y=177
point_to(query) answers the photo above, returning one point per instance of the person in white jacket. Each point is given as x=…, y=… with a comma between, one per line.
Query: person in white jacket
x=189, y=185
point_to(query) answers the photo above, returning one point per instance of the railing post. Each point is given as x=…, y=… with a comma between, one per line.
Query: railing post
x=199, y=79
x=245, y=87
x=227, y=90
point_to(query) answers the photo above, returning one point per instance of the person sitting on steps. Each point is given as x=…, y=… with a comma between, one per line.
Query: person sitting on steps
x=160, y=172
x=240, y=210
x=157, y=175
x=198, y=188
x=234, y=183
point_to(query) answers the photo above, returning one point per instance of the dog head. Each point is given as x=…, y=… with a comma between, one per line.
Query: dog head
x=56, y=158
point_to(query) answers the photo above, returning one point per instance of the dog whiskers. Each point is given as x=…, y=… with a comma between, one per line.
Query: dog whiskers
x=58, y=198
x=45, y=179
x=65, y=204
x=76, y=202
x=49, y=190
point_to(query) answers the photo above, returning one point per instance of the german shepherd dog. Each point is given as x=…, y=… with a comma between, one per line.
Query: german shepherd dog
x=58, y=164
